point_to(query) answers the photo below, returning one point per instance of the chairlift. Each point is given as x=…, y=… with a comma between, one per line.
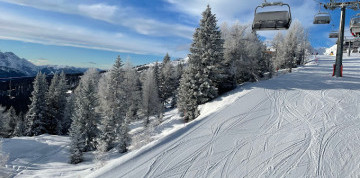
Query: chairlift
x=322, y=17
x=355, y=25
x=272, y=20
x=334, y=33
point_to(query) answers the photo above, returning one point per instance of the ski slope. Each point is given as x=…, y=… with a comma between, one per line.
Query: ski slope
x=303, y=124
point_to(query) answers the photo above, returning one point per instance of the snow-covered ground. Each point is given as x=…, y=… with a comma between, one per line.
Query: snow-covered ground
x=48, y=155
x=302, y=124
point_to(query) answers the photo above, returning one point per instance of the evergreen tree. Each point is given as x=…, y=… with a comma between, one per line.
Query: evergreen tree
x=61, y=89
x=68, y=112
x=3, y=157
x=277, y=43
x=52, y=106
x=83, y=131
x=20, y=127
x=186, y=99
x=207, y=71
x=151, y=102
x=4, y=117
x=115, y=103
x=178, y=73
x=56, y=103
x=13, y=119
x=124, y=137
x=132, y=86
x=167, y=80
x=35, y=117
x=77, y=144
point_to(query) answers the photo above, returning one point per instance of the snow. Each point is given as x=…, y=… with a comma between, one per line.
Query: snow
x=331, y=49
x=48, y=155
x=302, y=124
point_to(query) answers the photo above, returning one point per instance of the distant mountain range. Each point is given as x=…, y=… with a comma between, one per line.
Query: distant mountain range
x=13, y=66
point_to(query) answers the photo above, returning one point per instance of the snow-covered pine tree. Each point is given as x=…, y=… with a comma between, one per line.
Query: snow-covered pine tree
x=114, y=99
x=20, y=127
x=13, y=119
x=132, y=87
x=77, y=144
x=207, y=70
x=167, y=80
x=68, y=112
x=83, y=131
x=4, y=117
x=35, y=117
x=179, y=70
x=234, y=49
x=277, y=60
x=294, y=45
x=60, y=91
x=3, y=157
x=52, y=106
x=208, y=48
x=124, y=137
x=186, y=99
x=255, y=61
x=150, y=96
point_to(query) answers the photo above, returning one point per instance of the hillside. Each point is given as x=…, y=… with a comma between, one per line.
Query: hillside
x=303, y=124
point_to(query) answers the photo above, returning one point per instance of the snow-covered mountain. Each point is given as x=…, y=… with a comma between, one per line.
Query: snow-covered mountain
x=13, y=66
x=10, y=62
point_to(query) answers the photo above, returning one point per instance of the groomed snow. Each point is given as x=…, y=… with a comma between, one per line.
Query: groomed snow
x=303, y=124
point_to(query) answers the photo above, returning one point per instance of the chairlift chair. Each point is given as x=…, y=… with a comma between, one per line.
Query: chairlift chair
x=322, y=18
x=272, y=20
x=355, y=25
x=334, y=34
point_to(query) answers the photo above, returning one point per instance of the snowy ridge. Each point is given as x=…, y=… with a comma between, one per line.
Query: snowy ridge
x=10, y=60
x=331, y=49
x=13, y=66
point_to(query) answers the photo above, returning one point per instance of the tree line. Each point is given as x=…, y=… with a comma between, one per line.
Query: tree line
x=98, y=112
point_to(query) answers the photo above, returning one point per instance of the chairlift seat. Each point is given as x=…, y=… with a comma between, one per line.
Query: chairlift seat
x=322, y=18
x=355, y=26
x=333, y=35
x=272, y=20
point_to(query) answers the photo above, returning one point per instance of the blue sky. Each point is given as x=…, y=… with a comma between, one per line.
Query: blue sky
x=91, y=33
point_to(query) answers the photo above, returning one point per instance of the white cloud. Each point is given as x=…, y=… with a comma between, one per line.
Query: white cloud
x=98, y=11
x=117, y=15
x=40, y=61
x=15, y=27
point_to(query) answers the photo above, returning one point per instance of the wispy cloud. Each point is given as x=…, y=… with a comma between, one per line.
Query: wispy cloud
x=115, y=14
x=98, y=11
x=40, y=61
x=15, y=27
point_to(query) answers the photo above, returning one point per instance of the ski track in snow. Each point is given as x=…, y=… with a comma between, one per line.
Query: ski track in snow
x=303, y=124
